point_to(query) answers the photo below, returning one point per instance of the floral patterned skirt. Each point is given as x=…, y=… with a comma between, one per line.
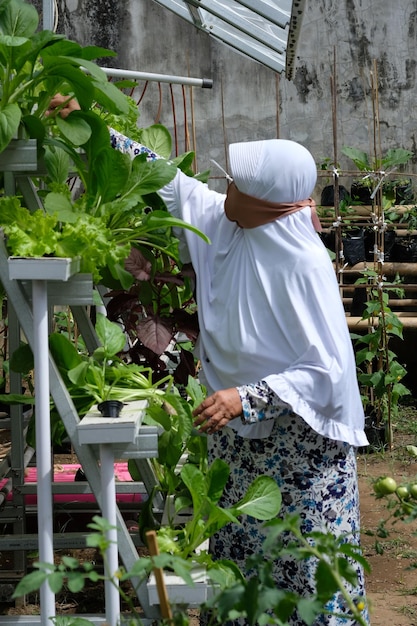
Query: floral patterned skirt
x=318, y=481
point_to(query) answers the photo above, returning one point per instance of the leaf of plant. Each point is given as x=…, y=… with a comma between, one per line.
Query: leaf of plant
x=140, y=568
x=217, y=476
x=184, y=161
x=34, y=127
x=182, y=569
x=217, y=518
x=95, y=52
x=262, y=500
x=155, y=333
x=36, y=237
x=70, y=620
x=183, y=418
x=77, y=374
x=309, y=609
x=196, y=391
x=70, y=562
x=59, y=205
x=22, y=360
x=170, y=448
x=138, y=265
x=16, y=398
x=150, y=176
x=57, y=163
x=19, y=19
x=110, y=334
x=359, y=157
x=159, y=416
x=326, y=584
x=111, y=98
x=66, y=355
x=124, y=278
x=81, y=83
x=10, y=117
x=225, y=573
x=56, y=581
x=158, y=139
x=159, y=219
x=196, y=482
x=74, y=128
x=76, y=582
x=31, y=582
x=92, y=68
x=396, y=156
x=111, y=170
x=94, y=576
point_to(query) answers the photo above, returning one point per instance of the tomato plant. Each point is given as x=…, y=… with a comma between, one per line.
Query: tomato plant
x=402, y=492
x=413, y=490
x=385, y=485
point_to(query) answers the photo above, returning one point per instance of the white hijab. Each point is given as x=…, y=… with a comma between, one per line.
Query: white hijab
x=268, y=300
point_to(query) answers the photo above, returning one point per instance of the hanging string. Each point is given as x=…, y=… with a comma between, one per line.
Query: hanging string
x=174, y=117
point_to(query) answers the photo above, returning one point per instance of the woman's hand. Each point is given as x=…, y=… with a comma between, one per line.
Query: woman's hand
x=217, y=410
x=62, y=105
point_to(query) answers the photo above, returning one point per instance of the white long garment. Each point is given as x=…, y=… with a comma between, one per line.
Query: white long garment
x=268, y=301
x=269, y=308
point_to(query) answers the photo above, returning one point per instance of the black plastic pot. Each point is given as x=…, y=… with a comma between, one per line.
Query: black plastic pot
x=110, y=408
x=404, y=250
x=354, y=246
x=404, y=194
x=327, y=195
x=360, y=193
x=377, y=436
x=389, y=243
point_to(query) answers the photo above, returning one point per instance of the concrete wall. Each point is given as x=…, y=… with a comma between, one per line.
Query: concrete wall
x=373, y=42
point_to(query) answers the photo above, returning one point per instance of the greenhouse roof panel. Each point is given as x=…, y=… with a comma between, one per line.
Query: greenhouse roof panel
x=264, y=30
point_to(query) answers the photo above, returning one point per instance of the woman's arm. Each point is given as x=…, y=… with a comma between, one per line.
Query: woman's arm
x=260, y=403
x=123, y=144
x=252, y=403
x=64, y=105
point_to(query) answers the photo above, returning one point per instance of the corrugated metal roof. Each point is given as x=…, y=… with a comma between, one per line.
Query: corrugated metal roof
x=264, y=30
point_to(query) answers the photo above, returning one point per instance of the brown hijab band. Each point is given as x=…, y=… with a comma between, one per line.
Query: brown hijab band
x=250, y=212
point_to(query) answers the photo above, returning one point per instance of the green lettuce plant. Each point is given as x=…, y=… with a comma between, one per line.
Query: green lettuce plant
x=37, y=64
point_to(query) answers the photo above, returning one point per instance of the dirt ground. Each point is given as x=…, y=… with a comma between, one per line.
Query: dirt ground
x=392, y=582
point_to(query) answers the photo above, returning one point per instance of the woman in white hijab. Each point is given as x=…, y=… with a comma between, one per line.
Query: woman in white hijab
x=277, y=359
x=276, y=355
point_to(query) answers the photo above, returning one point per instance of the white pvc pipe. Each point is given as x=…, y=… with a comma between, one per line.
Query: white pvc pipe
x=159, y=78
x=43, y=442
x=48, y=17
x=108, y=487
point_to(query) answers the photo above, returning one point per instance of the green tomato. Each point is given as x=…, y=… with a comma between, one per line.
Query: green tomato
x=402, y=492
x=385, y=485
x=407, y=508
x=413, y=490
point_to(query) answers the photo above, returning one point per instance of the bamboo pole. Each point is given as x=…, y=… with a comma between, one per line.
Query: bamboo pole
x=166, y=611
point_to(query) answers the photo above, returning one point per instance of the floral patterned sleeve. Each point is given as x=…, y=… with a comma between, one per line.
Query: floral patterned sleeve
x=128, y=146
x=260, y=403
